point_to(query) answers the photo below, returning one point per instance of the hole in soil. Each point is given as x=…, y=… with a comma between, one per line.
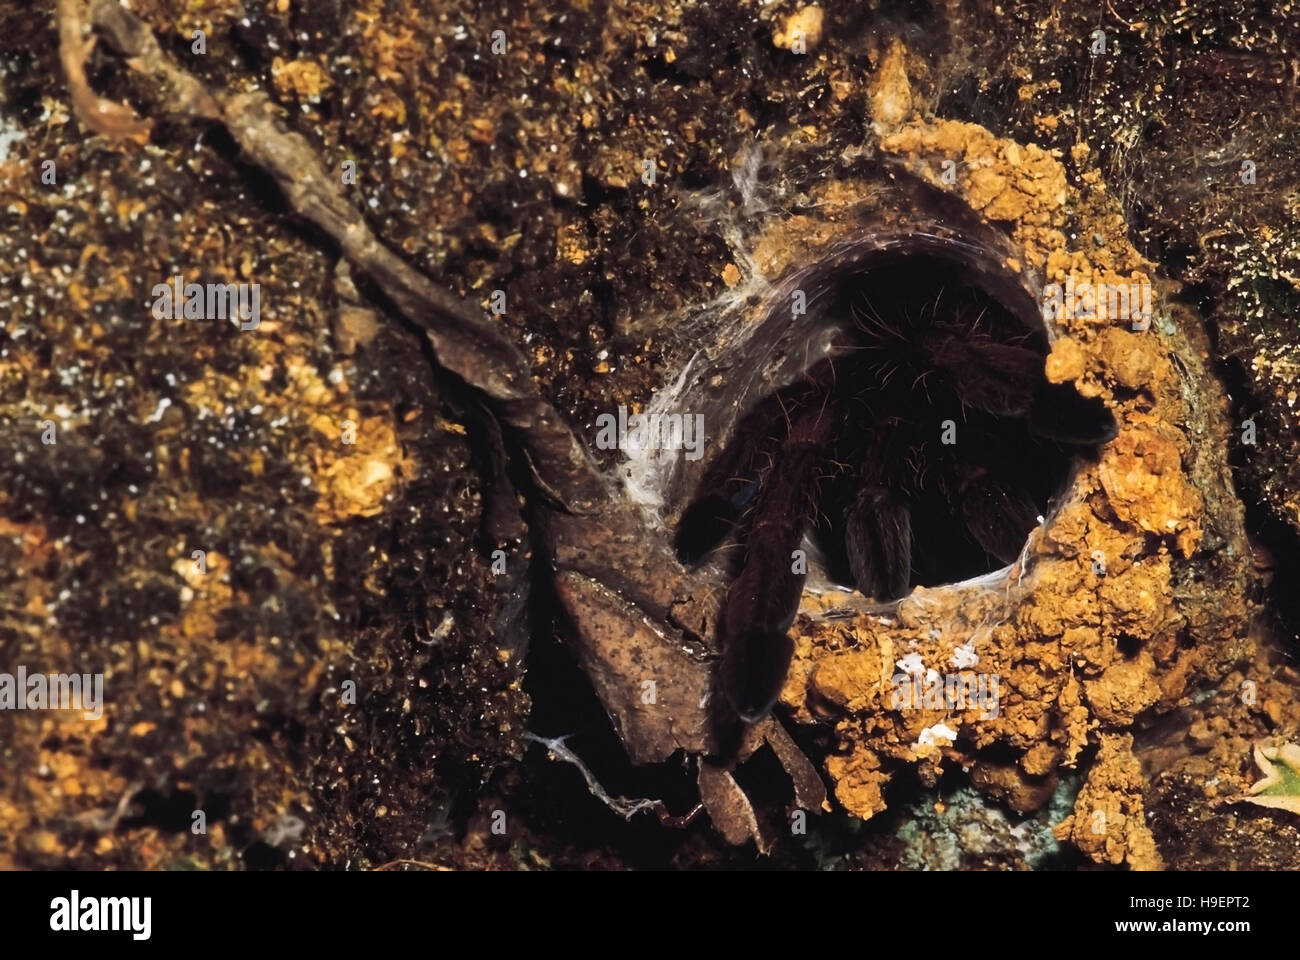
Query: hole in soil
x=923, y=450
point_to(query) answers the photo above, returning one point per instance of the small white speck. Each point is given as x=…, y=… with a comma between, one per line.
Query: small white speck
x=157, y=415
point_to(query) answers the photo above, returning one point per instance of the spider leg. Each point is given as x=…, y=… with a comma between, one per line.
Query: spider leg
x=878, y=538
x=762, y=600
x=1007, y=380
x=999, y=514
x=995, y=377
x=729, y=485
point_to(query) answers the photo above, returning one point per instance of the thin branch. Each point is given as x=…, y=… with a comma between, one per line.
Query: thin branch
x=465, y=341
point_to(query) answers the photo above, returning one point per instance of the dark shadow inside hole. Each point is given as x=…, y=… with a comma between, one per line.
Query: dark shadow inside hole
x=925, y=341
x=907, y=286
x=947, y=444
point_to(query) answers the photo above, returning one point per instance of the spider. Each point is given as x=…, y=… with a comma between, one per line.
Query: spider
x=923, y=449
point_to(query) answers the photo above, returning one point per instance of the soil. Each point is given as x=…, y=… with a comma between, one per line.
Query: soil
x=330, y=682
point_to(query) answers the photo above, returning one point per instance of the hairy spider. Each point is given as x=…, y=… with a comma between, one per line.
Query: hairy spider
x=922, y=450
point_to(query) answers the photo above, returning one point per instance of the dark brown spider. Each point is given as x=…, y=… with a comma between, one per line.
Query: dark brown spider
x=923, y=450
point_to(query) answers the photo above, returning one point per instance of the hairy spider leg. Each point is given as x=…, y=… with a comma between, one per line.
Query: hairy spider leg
x=878, y=526
x=730, y=483
x=996, y=377
x=999, y=514
x=762, y=600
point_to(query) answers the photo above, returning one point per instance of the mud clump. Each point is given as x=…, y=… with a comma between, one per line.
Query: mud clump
x=1094, y=627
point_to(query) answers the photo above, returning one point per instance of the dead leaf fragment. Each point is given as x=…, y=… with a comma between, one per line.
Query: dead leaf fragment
x=1280, y=788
